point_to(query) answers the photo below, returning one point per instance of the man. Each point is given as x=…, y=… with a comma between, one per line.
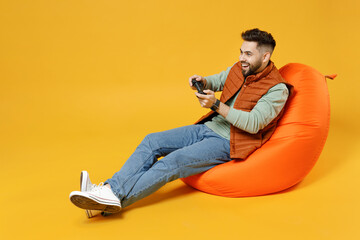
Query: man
x=252, y=101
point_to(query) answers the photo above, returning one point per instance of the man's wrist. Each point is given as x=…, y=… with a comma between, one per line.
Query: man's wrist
x=216, y=105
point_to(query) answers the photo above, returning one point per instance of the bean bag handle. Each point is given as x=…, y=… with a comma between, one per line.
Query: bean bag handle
x=331, y=76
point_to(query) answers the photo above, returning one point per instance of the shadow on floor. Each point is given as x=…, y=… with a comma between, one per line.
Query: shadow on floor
x=153, y=199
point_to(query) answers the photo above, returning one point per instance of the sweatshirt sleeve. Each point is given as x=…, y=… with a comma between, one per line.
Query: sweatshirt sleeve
x=266, y=110
x=216, y=82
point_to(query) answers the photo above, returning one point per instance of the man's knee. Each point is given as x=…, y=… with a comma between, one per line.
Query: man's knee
x=151, y=141
x=150, y=138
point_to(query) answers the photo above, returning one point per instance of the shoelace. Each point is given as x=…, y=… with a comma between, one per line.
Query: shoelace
x=95, y=187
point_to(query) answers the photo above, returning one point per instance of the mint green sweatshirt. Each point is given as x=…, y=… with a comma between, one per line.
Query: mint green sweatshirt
x=266, y=109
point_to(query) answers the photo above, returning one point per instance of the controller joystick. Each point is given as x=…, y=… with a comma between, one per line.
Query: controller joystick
x=199, y=86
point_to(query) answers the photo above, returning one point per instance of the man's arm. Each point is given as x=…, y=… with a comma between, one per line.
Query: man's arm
x=214, y=82
x=266, y=109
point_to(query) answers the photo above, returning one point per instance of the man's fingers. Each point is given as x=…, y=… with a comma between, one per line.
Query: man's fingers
x=201, y=96
x=197, y=77
x=208, y=91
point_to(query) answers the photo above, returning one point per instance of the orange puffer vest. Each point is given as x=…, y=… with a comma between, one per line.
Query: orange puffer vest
x=242, y=143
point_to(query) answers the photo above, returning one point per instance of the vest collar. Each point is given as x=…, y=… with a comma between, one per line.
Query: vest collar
x=266, y=71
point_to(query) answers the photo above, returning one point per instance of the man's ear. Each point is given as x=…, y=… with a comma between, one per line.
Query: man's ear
x=266, y=57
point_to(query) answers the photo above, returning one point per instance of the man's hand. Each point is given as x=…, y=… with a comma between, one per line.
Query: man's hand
x=198, y=78
x=206, y=101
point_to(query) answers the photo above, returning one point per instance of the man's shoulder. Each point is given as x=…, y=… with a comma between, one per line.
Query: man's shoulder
x=279, y=87
x=274, y=75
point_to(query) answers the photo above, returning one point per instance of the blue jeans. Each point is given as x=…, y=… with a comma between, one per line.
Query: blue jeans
x=186, y=150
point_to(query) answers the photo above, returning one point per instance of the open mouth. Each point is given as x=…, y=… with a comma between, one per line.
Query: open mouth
x=245, y=66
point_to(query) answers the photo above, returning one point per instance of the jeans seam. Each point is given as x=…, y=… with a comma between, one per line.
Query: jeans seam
x=159, y=180
x=136, y=172
x=164, y=177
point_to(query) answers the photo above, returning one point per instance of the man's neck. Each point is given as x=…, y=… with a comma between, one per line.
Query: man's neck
x=262, y=68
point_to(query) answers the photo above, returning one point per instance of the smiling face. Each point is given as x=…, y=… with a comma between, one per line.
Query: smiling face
x=253, y=59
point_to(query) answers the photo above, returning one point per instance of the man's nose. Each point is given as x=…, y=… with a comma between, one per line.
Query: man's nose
x=241, y=57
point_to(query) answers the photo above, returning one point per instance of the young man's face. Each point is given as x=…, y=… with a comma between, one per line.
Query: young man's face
x=251, y=59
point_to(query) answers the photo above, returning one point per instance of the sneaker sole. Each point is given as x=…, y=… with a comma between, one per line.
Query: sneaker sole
x=86, y=202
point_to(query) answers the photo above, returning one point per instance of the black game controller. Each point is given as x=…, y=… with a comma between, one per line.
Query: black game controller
x=199, y=86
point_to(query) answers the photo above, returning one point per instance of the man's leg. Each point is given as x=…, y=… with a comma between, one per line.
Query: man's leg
x=193, y=159
x=201, y=150
x=153, y=146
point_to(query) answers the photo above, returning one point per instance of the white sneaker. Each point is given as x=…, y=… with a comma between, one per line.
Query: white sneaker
x=85, y=185
x=97, y=198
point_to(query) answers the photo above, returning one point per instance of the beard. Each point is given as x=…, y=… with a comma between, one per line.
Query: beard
x=252, y=69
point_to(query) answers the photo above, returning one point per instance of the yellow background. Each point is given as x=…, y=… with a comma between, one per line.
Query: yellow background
x=82, y=82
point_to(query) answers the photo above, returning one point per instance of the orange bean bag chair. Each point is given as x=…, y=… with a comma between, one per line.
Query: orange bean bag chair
x=291, y=152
